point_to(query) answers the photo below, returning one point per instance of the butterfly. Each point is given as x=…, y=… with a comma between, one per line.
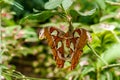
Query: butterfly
x=70, y=42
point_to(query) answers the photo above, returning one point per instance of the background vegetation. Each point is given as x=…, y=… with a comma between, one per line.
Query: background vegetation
x=24, y=57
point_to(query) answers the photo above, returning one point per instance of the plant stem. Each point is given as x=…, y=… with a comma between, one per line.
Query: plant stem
x=110, y=66
x=97, y=68
x=116, y=37
x=97, y=54
x=70, y=23
x=68, y=19
x=98, y=73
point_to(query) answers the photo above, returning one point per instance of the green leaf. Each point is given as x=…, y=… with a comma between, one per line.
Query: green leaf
x=1, y=1
x=73, y=73
x=19, y=6
x=87, y=70
x=16, y=4
x=102, y=4
x=67, y=63
x=2, y=66
x=30, y=35
x=109, y=16
x=1, y=53
x=7, y=77
x=9, y=2
x=110, y=55
x=113, y=3
x=39, y=17
x=109, y=75
x=97, y=28
x=66, y=4
x=10, y=29
x=52, y=4
x=103, y=77
x=87, y=13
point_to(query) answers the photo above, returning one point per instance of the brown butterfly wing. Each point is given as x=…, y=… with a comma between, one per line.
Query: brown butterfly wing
x=53, y=43
x=79, y=43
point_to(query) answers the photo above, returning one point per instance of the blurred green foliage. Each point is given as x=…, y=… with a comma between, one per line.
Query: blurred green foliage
x=23, y=54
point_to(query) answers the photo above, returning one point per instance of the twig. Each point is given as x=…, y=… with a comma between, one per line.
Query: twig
x=110, y=66
x=97, y=54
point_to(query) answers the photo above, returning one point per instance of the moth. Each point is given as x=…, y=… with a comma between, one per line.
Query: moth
x=74, y=41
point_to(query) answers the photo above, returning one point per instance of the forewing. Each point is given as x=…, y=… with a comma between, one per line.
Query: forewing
x=79, y=43
x=53, y=43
